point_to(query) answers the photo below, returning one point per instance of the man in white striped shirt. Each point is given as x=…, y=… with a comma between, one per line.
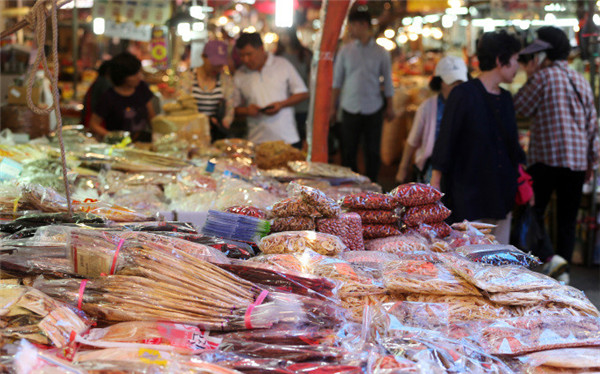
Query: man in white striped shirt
x=266, y=89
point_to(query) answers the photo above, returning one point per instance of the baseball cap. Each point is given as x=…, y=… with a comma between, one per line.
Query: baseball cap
x=451, y=69
x=216, y=52
x=536, y=46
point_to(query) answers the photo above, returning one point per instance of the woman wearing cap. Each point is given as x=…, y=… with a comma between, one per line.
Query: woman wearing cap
x=449, y=73
x=212, y=89
x=477, y=154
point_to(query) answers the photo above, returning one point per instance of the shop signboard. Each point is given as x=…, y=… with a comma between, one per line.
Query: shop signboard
x=128, y=30
x=158, y=47
x=155, y=12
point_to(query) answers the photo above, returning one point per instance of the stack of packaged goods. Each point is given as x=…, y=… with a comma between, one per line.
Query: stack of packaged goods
x=377, y=213
x=423, y=210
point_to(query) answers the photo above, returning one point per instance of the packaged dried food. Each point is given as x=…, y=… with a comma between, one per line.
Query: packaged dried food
x=464, y=308
x=247, y=210
x=377, y=216
x=412, y=194
x=424, y=276
x=298, y=241
x=276, y=154
x=347, y=227
x=380, y=231
x=293, y=206
x=321, y=169
x=430, y=213
x=434, y=230
x=398, y=244
x=492, y=278
x=323, y=204
x=498, y=254
x=235, y=226
x=368, y=257
x=369, y=200
x=292, y=224
x=566, y=358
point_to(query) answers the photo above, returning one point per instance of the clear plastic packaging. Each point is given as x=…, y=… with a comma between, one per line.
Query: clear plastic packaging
x=420, y=273
x=294, y=206
x=397, y=244
x=377, y=216
x=430, y=213
x=298, y=241
x=438, y=230
x=516, y=336
x=233, y=191
x=498, y=254
x=347, y=227
x=368, y=257
x=321, y=169
x=247, y=210
x=464, y=308
x=292, y=224
x=369, y=201
x=354, y=282
x=323, y=204
x=412, y=194
x=380, y=231
x=565, y=358
x=235, y=226
x=491, y=278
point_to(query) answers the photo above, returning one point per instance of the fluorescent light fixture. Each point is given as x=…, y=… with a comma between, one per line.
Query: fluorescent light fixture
x=447, y=20
x=596, y=19
x=402, y=39
x=550, y=18
x=284, y=13
x=407, y=21
x=413, y=36
x=457, y=11
x=198, y=26
x=389, y=33
x=98, y=26
x=431, y=18
x=183, y=29
x=386, y=43
x=437, y=33
x=196, y=11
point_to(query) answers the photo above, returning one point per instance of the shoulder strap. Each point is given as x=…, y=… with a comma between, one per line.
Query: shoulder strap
x=499, y=124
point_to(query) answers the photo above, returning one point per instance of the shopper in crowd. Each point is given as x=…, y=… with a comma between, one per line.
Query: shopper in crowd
x=291, y=49
x=477, y=153
x=358, y=68
x=127, y=106
x=564, y=146
x=450, y=71
x=93, y=94
x=266, y=89
x=212, y=89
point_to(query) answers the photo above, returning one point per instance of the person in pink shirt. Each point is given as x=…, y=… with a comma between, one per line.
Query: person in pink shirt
x=450, y=71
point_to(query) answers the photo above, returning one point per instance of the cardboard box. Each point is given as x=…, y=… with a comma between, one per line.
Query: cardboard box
x=17, y=95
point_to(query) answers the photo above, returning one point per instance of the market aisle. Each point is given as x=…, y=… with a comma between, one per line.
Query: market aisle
x=587, y=279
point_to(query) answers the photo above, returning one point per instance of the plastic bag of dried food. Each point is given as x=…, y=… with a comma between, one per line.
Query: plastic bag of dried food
x=380, y=231
x=433, y=230
x=297, y=241
x=430, y=213
x=424, y=276
x=247, y=210
x=293, y=206
x=498, y=254
x=464, y=308
x=369, y=200
x=412, y=194
x=492, y=278
x=292, y=224
x=354, y=281
x=381, y=217
x=398, y=244
x=347, y=227
x=566, y=358
x=323, y=204
x=368, y=257
x=515, y=336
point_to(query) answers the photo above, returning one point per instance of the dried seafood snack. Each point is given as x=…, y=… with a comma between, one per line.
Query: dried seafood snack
x=412, y=194
x=397, y=244
x=353, y=282
x=567, y=358
x=292, y=224
x=280, y=261
x=434, y=230
x=545, y=309
x=493, y=278
x=377, y=216
x=368, y=257
x=424, y=276
x=464, y=308
x=294, y=206
x=498, y=254
x=369, y=200
x=323, y=204
x=380, y=231
x=430, y=213
x=347, y=227
x=298, y=241
x=276, y=154
x=247, y=210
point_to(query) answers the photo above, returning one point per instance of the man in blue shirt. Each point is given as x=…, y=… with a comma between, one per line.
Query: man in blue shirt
x=359, y=69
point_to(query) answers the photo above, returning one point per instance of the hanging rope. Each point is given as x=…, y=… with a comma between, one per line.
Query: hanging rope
x=37, y=20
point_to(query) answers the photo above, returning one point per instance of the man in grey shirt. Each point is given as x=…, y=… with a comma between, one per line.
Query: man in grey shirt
x=359, y=67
